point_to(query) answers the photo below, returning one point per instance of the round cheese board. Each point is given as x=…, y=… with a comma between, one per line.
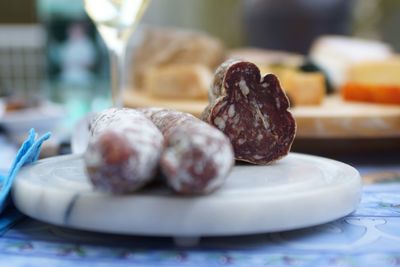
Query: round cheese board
x=295, y=192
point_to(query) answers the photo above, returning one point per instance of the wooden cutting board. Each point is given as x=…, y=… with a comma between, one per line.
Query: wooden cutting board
x=334, y=118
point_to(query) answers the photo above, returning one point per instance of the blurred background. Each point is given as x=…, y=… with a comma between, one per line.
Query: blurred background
x=50, y=50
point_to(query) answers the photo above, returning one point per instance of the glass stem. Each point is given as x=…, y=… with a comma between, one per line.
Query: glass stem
x=117, y=64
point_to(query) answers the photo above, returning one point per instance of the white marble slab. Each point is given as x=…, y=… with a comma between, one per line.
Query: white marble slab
x=297, y=191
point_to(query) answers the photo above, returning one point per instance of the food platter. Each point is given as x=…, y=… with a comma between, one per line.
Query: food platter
x=43, y=118
x=297, y=191
x=334, y=118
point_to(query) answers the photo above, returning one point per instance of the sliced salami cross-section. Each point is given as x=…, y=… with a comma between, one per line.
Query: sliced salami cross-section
x=252, y=111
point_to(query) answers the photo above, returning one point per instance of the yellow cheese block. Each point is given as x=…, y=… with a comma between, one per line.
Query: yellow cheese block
x=303, y=88
x=383, y=73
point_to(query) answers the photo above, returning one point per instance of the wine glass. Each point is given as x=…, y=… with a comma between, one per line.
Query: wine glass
x=116, y=20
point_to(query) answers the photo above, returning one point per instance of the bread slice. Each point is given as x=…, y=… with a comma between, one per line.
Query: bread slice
x=178, y=81
x=167, y=46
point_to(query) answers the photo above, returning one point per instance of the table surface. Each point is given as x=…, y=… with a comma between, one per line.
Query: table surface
x=368, y=237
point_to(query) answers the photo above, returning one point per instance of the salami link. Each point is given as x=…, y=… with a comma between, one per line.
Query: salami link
x=123, y=152
x=197, y=157
x=252, y=111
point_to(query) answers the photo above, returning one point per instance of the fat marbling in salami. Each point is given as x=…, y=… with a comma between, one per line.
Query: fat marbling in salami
x=252, y=110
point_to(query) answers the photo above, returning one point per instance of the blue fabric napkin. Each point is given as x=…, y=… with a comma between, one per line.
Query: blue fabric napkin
x=28, y=153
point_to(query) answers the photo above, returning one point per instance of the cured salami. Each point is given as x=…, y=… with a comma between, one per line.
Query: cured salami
x=123, y=152
x=197, y=157
x=252, y=111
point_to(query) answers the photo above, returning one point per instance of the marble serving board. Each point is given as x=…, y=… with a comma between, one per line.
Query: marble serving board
x=334, y=118
x=297, y=191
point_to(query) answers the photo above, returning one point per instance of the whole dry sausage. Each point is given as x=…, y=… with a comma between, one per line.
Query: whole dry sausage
x=123, y=151
x=252, y=111
x=197, y=158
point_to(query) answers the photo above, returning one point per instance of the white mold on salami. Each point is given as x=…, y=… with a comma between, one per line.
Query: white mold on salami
x=94, y=160
x=123, y=152
x=197, y=157
x=266, y=129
